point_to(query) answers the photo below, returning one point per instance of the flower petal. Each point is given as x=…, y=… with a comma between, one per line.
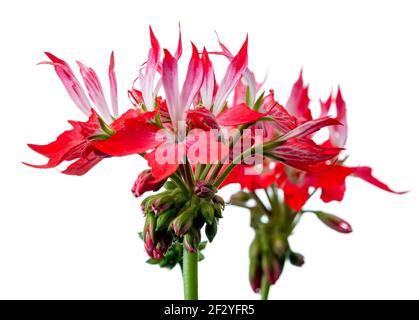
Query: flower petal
x=136, y=136
x=310, y=127
x=69, y=145
x=339, y=135
x=94, y=88
x=208, y=83
x=171, y=86
x=71, y=84
x=238, y=115
x=233, y=75
x=365, y=173
x=83, y=165
x=179, y=49
x=295, y=196
x=192, y=82
x=202, y=118
x=249, y=178
x=282, y=119
x=113, y=86
x=303, y=153
x=299, y=101
x=147, y=80
x=165, y=160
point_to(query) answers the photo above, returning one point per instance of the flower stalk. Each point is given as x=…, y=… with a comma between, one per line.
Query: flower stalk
x=190, y=274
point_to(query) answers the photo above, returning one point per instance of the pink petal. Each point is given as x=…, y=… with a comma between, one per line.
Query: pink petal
x=179, y=49
x=113, y=86
x=147, y=81
x=192, y=82
x=233, y=75
x=310, y=127
x=94, y=88
x=339, y=135
x=208, y=83
x=325, y=106
x=171, y=86
x=282, y=119
x=71, y=84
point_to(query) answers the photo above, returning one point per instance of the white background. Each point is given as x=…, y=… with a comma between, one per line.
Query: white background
x=76, y=237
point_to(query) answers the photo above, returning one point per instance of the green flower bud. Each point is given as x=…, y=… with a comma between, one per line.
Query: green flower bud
x=211, y=230
x=255, y=251
x=164, y=219
x=207, y=211
x=218, y=211
x=192, y=239
x=255, y=275
x=219, y=200
x=296, y=259
x=170, y=185
x=240, y=198
x=183, y=222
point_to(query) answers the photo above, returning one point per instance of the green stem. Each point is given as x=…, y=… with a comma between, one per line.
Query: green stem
x=176, y=179
x=237, y=160
x=264, y=291
x=190, y=274
x=260, y=203
x=205, y=171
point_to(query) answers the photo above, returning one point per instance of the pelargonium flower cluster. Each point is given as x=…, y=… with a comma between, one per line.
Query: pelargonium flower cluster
x=281, y=191
x=198, y=135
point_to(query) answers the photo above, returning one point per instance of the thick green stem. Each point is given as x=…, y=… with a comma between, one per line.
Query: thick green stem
x=190, y=274
x=264, y=291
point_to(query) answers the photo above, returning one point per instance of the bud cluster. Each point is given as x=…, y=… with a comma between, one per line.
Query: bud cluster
x=173, y=218
x=268, y=253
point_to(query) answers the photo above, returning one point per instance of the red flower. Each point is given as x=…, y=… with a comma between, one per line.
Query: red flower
x=87, y=143
x=330, y=178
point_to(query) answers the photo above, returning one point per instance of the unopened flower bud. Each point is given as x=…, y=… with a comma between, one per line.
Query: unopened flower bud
x=146, y=182
x=192, y=240
x=255, y=275
x=219, y=200
x=170, y=185
x=150, y=225
x=255, y=251
x=162, y=204
x=296, y=259
x=271, y=268
x=164, y=219
x=211, y=230
x=334, y=222
x=207, y=211
x=204, y=190
x=239, y=198
x=183, y=222
x=156, y=249
x=147, y=202
x=218, y=210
